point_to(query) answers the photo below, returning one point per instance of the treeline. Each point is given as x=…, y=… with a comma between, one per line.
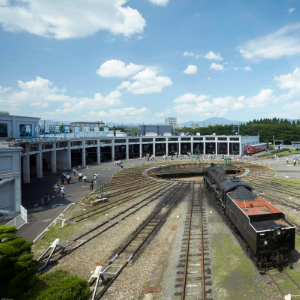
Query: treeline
x=274, y=121
x=286, y=131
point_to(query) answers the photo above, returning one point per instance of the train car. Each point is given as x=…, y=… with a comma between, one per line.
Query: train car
x=269, y=236
x=252, y=149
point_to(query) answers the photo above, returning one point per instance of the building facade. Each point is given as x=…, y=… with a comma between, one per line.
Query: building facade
x=14, y=126
x=171, y=121
x=10, y=177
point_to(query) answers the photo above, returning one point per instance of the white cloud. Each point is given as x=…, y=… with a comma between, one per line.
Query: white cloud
x=71, y=19
x=191, y=69
x=289, y=81
x=263, y=98
x=212, y=56
x=188, y=54
x=127, y=112
x=291, y=10
x=283, y=42
x=41, y=93
x=215, y=66
x=40, y=104
x=159, y=2
x=146, y=82
x=208, y=78
x=163, y=114
x=187, y=98
x=247, y=68
x=116, y=68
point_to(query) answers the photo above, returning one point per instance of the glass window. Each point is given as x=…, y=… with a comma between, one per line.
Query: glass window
x=3, y=130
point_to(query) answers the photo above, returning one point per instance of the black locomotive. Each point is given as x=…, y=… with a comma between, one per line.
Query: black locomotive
x=268, y=235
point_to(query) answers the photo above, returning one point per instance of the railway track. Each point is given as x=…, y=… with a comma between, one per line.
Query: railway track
x=131, y=248
x=284, y=282
x=194, y=261
x=116, y=203
x=49, y=257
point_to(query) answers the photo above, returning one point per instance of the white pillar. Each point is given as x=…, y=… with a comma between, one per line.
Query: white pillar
x=83, y=157
x=204, y=146
x=216, y=147
x=167, y=146
x=154, y=146
x=39, y=162
x=192, y=145
x=179, y=146
x=141, y=148
x=113, y=150
x=26, y=165
x=228, y=146
x=18, y=195
x=98, y=152
x=127, y=148
x=69, y=155
x=53, y=158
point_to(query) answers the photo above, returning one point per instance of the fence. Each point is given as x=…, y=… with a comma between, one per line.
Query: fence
x=20, y=220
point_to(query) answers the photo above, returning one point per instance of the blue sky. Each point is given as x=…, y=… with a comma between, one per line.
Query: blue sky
x=144, y=60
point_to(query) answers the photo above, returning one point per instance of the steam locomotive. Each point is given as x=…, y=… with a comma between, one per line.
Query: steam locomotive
x=268, y=235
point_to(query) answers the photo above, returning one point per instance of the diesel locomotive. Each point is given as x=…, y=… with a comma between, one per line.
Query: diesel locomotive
x=268, y=235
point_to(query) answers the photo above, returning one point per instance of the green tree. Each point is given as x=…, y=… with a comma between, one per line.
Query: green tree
x=17, y=267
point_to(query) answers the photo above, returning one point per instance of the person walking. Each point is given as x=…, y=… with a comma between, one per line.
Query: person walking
x=80, y=177
x=63, y=191
x=74, y=171
x=68, y=178
x=92, y=185
x=287, y=160
x=95, y=178
x=62, y=179
x=294, y=162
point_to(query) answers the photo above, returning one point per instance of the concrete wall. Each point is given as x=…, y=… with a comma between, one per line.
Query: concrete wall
x=14, y=122
x=10, y=183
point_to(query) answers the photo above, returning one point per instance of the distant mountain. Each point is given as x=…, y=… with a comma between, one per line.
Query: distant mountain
x=212, y=121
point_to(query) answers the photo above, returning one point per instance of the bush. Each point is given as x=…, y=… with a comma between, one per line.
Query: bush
x=60, y=285
x=17, y=267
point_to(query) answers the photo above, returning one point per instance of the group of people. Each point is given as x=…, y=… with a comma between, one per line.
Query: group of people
x=60, y=190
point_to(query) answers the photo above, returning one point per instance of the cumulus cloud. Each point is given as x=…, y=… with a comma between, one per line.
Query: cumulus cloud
x=191, y=69
x=116, y=68
x=159, y=2
x=41, y=93
x=188, y=54
x=263, y=98
x=208, y=78
x=283, y=42
x=71, y=19
x=127, y=112
x=213, y=56
x=146, y=82
x=248, y=68
x=164, y=113
x=215, y=66
x=289, y=81
x=291, y=10
x=187, y=98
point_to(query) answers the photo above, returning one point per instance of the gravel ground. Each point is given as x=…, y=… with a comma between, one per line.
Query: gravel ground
x=130, y=283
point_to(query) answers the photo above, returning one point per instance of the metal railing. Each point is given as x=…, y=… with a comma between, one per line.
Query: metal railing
x=20, y=220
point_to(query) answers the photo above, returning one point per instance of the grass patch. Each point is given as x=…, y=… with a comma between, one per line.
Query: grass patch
x=287, y=182
x=146, y=284
x=58, y=285
x=280, y=154
x=235, y=273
